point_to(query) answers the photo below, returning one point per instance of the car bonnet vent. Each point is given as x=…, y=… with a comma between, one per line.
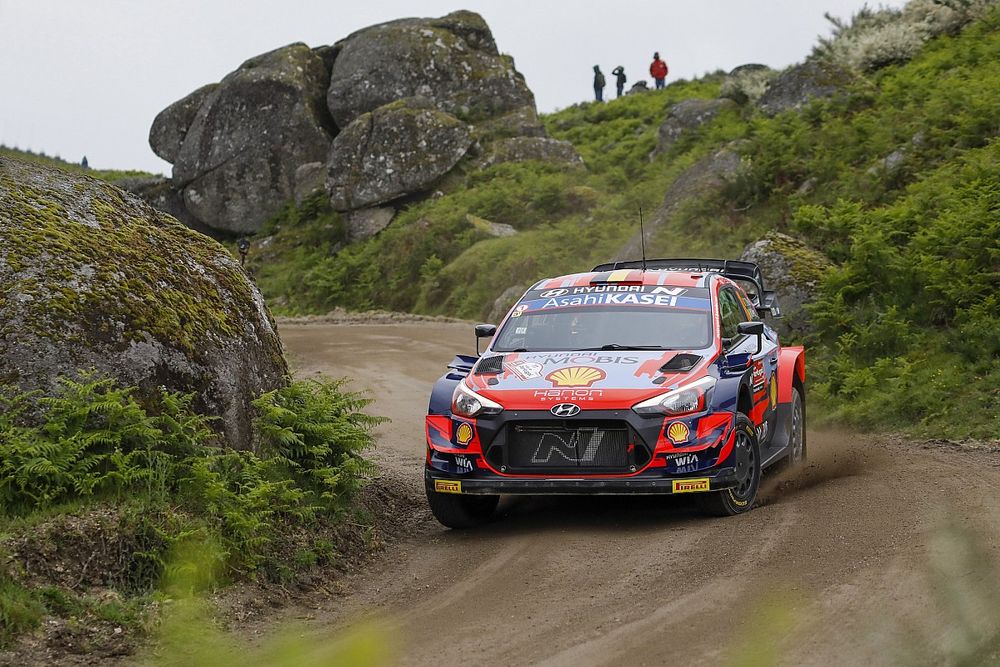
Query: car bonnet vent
x=680, y=363
x=492, y=365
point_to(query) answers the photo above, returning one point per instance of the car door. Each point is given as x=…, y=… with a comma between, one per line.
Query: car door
x=763, y=363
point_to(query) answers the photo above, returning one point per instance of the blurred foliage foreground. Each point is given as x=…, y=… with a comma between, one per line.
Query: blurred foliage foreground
x=98, y=491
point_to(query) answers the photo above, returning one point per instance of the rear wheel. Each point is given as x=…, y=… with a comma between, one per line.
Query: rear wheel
x=740, y=498
x=461, y=511
x=797, y=430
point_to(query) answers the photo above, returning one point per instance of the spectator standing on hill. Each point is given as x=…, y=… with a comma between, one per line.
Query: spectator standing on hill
x=620, y=79
x=84, y=163
x=598, y=84
x=658, y=70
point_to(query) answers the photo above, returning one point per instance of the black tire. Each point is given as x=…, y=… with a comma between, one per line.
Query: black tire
x=459, y=511
x=797, y=429
x=730, y=502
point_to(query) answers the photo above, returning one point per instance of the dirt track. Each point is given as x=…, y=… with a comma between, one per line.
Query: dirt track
x=874, y=553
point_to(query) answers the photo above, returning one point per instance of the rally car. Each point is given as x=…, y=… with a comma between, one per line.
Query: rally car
x=639, y=377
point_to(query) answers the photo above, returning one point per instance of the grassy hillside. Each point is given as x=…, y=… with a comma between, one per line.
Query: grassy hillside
x=110, y=175
x=903, y=194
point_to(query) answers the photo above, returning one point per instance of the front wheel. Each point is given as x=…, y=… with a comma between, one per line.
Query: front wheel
x=461, y=511
x=740, y=498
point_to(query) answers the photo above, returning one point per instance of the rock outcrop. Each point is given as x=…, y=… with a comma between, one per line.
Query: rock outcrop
x=794, y=271
x=93, y=277
x=387, y=111
x=798, y=85
x=394, y=150
x=238, y=160
x=686, y=117
x=452, y=61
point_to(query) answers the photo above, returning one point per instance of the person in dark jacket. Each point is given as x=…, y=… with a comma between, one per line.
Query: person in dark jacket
x=620, y=79
x=658, y=70
x=598, y=84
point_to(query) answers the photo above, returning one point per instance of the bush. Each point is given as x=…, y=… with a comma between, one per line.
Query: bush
x=96, y=441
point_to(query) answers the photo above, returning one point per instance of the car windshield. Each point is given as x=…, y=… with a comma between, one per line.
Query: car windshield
x=559, y=319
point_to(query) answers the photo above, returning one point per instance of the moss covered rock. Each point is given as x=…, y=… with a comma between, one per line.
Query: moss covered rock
x=93, y=277
x=398, y=149
x=794, y=271
x=452, y=61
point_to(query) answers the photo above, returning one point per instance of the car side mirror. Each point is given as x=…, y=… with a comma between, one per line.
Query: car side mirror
x=484, y=331
x=752, y=329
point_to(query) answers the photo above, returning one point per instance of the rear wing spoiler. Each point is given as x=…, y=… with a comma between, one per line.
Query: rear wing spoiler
x=747, y=273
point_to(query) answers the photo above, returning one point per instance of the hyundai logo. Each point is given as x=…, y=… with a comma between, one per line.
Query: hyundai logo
x=548, y=294
x=565, y=410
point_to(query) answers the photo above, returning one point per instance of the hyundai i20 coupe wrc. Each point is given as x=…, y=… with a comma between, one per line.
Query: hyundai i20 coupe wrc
x=639, y=377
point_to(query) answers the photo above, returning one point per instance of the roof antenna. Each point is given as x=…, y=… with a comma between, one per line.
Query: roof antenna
x=642, y=238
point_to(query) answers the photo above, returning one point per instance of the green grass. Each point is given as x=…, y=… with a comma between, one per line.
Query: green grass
x=110, y=175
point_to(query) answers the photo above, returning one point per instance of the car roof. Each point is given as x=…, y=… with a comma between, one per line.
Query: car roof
x=628, y=277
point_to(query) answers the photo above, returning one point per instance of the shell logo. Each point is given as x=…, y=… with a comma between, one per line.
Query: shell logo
x=463, y=434
x=575, y=376
x=678, y=432
x=774, y=391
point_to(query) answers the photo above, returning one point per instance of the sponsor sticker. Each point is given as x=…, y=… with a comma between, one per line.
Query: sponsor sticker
x=463, y=463
x=757, y=377
x=690, y=485
x=562, y=395
x=464, y=433
x=573, y=358
x=523, y=370
x=519, y=310
x=678, y=432
x=451, y=486
x=576, y=376
x=774, y=391
x=683, y=459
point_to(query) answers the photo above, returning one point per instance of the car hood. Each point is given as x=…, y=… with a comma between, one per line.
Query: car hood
x=605, y=379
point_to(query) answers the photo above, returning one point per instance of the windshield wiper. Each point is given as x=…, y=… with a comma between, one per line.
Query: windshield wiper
x=617, y=346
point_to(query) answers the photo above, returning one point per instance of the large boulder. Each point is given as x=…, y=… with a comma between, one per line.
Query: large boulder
x=238, y=159
x=395, y=150
x=524, y=149
x=452, y=61
x=687, y=116
x=798, y=85
x=170, y=127
x=794, y=271
x=93, y=277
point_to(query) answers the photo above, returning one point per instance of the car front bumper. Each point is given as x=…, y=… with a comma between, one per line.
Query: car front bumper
x=706, y=481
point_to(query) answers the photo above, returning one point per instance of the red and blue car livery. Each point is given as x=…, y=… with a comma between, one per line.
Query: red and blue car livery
x=639, y=377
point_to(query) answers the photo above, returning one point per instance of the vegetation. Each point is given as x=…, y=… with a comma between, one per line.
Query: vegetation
x=110, y=175
x=155, y=478
x=895, y=180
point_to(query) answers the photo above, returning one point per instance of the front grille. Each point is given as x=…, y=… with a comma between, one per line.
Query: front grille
x=568, y=447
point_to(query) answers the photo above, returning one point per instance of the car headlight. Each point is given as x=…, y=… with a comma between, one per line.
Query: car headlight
x=684, y=400
x=467, y=403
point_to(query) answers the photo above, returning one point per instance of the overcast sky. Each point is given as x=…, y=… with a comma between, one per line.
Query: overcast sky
x=86, y=77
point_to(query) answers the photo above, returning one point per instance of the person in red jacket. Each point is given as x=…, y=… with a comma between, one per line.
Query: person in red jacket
x=658, y=70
